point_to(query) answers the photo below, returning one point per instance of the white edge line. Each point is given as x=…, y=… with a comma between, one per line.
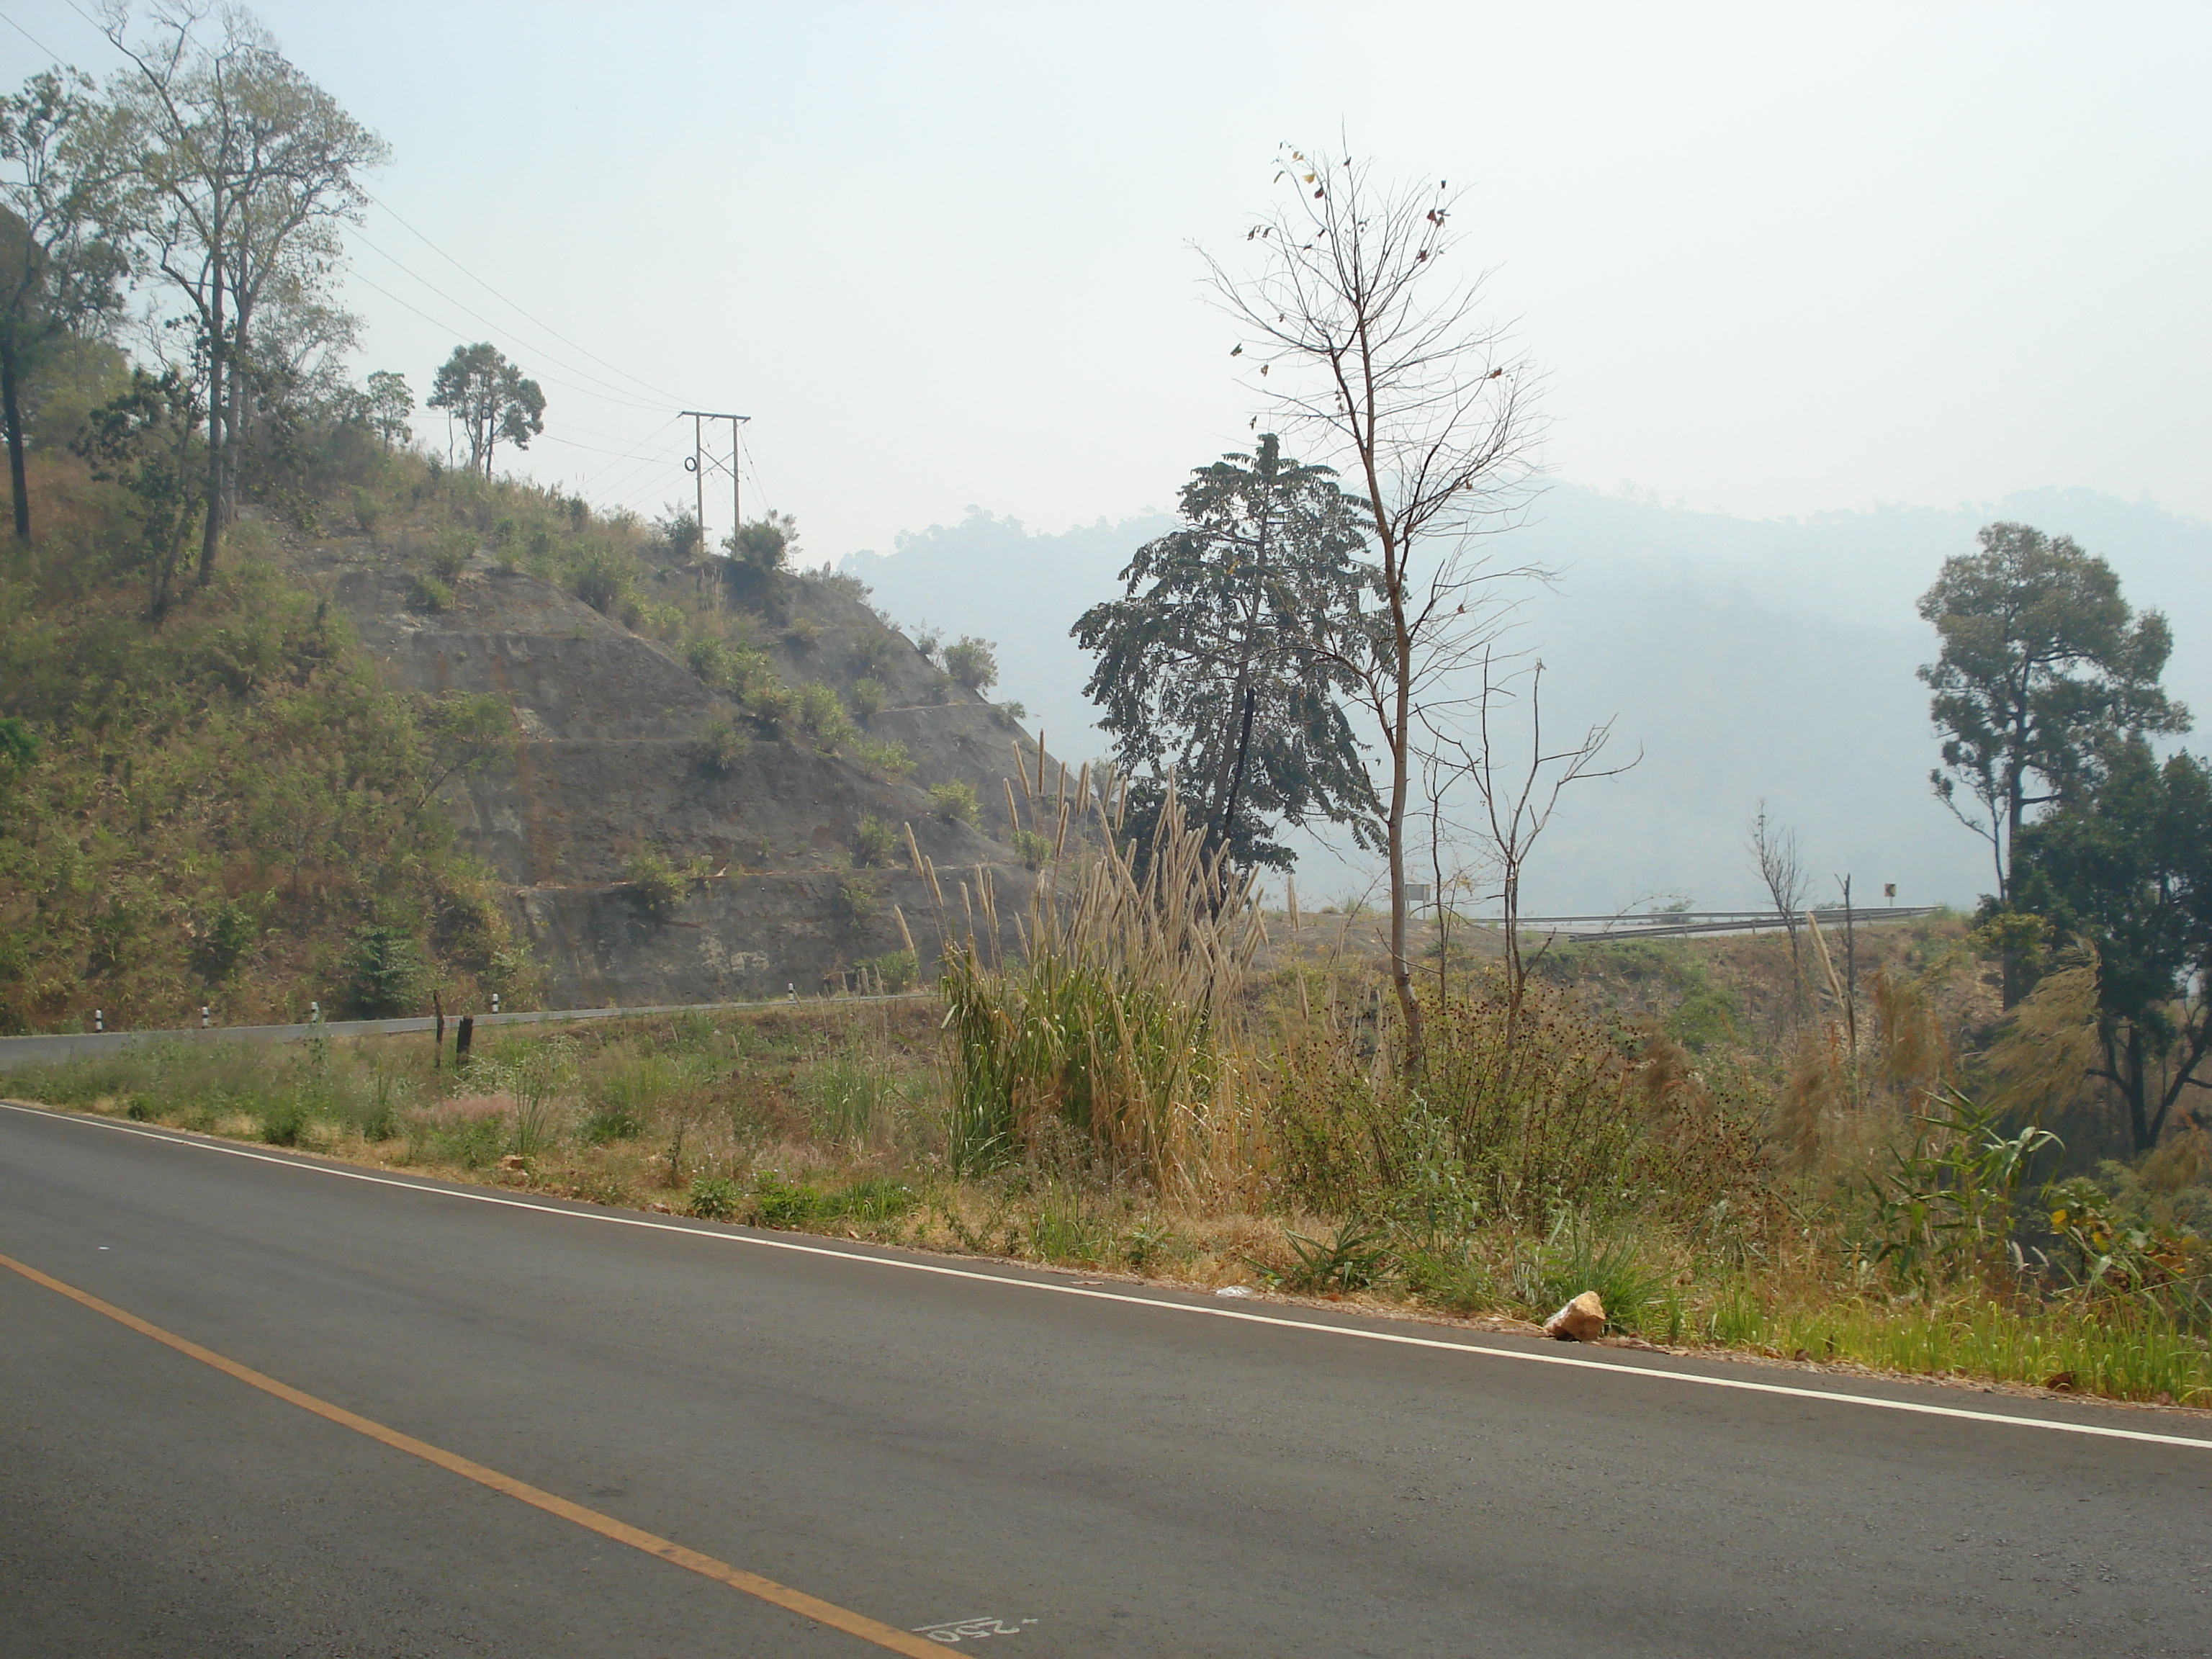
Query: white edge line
x=1616, y=1368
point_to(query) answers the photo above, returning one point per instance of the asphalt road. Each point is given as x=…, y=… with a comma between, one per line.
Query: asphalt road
x=1091, y=1472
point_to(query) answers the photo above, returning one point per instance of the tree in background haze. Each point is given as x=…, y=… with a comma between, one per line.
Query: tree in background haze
x=240, y=171
x=59, y=273
x=1781, y=863
x=2126, y=866
x=1210, y=670
x=489, y=396
x=1384, y=356
x=391, y=401
x=2043, y=670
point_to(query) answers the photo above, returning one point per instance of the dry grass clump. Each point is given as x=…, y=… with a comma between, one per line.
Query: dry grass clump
x=1117, y=1026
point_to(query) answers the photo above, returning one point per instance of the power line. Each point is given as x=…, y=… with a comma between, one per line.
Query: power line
x=607, y=387
x=440, y=322
x=32, y=37
x=642, y=445
x=518, y=310
x=619, y=490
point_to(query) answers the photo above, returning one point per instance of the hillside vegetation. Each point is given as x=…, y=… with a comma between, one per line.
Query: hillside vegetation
x=228, y=807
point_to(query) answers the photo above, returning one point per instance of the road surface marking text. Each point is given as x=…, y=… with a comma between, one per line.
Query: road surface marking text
x=1208, y=1310
x=767, y=1589
x=953, y=1631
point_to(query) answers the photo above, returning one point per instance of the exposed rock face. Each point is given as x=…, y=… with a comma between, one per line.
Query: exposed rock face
x=1581, y=1320
x=608, y=765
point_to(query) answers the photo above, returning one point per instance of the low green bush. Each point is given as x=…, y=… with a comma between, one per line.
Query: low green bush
x=954, y=802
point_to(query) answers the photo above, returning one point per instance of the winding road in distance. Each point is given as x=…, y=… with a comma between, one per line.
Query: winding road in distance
x=252, y=1403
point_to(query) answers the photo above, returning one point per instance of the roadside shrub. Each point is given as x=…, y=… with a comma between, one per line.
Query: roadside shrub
x=973, y=663
x=1034, y=851
x=821, y=716
x=709, y=658
x=885, y=758
x=854, y=900
x=225, y=938
x=803, y=635
x=719, y=747
x=601, y=578
x=367, y=510
x=656, y=883
x=867, y=699
x=874, y=842
x=954, y=802
x=779, y=1203
x=872, y=654
x=711, y=1198
x=428, y=593
x=775, y=708
x=449, y=553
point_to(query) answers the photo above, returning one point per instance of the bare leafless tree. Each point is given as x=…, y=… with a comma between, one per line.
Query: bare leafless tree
x=1781, y=865
x=1517, y=788
x=1368, y=332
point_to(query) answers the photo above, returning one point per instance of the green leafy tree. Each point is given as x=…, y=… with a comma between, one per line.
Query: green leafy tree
x=391, y=400
x=2127, y=866
x=973, y=663
x=763, y=545
x=59, y=273
x=461, y=735
x=2044, y=669
x=678, y=527
x=384, y=973
x=1215, y=668
x=491, y=399
x=146, y=440
x=240, y=171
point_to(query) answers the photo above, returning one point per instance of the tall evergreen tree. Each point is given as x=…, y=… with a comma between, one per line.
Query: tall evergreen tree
x=2127, y=866
x=2043, y=670
x=1214, y=667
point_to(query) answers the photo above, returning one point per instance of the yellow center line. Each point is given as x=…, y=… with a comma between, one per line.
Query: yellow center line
x=767, y=1589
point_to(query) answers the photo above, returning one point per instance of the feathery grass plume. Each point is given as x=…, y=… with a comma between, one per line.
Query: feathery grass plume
x=2044, y=1058
x=1811, y=1094
x=1118, y=1025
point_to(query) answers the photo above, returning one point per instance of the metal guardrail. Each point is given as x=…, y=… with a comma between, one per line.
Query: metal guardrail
x=1676, y=923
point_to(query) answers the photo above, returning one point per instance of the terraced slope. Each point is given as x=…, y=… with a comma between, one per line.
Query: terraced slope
x=609, y=764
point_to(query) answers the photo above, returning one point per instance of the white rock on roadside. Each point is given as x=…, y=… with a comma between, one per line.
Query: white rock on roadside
x=1581, y=1320
x=1233, y=1289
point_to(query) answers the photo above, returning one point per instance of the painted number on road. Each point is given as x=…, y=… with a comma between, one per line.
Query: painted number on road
x=954, y=1631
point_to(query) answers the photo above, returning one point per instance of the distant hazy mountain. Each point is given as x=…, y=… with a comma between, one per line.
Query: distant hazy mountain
x=1749, y=659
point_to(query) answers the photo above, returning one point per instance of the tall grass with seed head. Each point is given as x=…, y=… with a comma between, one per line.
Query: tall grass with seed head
x=1117, y=1022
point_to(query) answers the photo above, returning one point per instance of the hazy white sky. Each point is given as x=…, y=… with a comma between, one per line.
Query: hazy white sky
x=1772, y=258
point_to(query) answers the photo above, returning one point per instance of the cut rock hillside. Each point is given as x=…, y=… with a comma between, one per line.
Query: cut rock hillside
x=612, y=760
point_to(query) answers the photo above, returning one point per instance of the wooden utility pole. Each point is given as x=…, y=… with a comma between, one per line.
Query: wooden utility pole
x=703, y=462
